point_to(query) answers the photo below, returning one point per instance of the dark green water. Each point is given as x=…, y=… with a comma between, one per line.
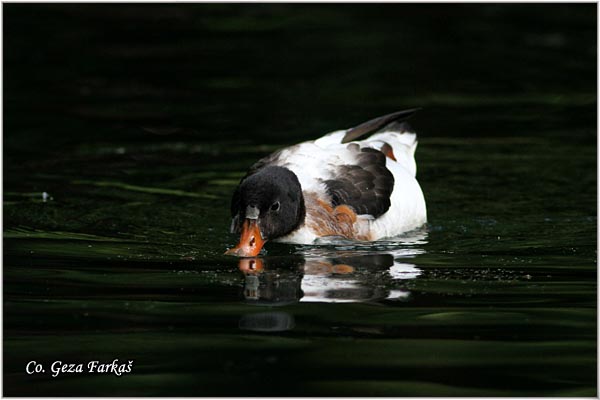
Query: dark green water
x=138, y=121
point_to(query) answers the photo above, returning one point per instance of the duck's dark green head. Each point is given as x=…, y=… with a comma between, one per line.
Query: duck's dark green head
x=266, y=205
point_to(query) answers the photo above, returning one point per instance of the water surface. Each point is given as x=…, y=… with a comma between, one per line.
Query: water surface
x=144, y=119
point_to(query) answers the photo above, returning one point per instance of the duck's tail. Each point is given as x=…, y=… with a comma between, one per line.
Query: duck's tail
x=391, y=128
x=393, y=122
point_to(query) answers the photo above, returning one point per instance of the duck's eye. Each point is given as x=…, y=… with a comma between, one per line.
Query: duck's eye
x=275, y=206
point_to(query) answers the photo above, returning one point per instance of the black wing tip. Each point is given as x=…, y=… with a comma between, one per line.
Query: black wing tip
x=404, y=114
x=376, y=124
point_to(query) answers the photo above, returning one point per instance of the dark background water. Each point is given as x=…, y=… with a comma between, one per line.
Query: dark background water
x=137, y=121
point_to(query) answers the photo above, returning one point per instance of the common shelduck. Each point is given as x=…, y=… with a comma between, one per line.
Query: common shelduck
x=336, y=185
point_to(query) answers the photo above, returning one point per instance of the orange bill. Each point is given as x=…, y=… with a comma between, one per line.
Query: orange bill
x=250, y=241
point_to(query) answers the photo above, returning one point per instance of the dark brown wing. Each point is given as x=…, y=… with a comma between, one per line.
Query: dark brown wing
x=366, y=185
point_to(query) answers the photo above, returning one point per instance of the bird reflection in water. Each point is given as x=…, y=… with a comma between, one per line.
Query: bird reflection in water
x=342, y=274
x=276, y=281
x=267, y=286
